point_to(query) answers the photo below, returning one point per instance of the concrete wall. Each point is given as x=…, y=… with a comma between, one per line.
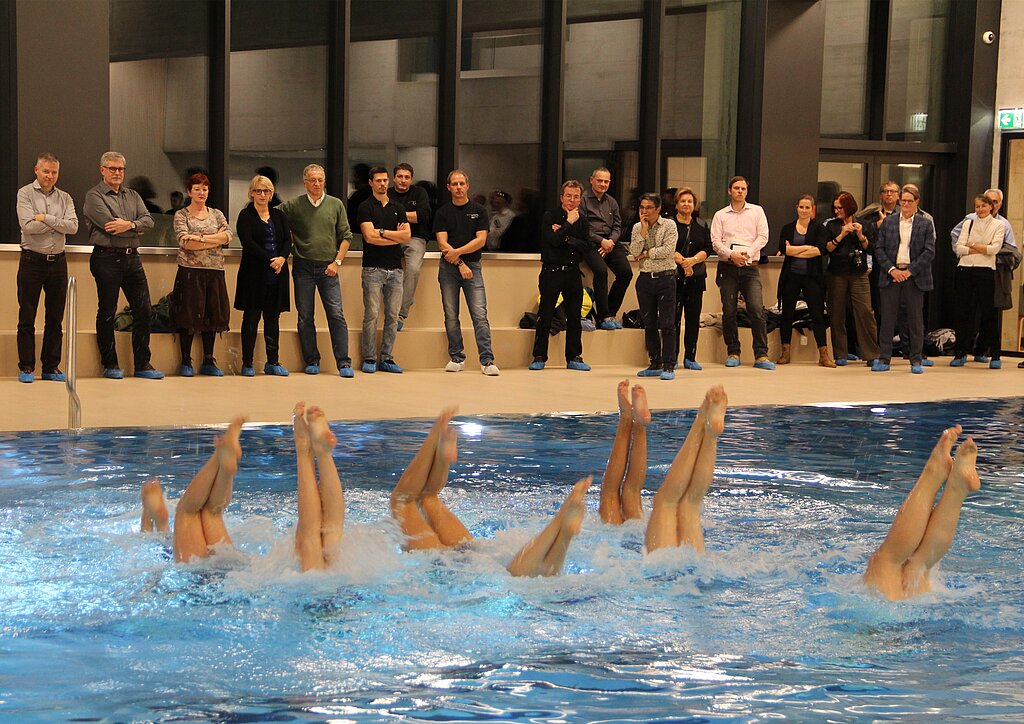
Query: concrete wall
x=63, y=101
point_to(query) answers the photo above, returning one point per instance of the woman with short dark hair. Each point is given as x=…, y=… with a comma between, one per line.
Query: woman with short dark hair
x=847, y=279
x=199, y=302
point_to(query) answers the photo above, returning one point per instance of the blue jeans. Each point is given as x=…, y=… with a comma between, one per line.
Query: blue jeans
x=451, y=282
x=378, y=283
x=731, y=281
x=414, y=252
x=309, y=277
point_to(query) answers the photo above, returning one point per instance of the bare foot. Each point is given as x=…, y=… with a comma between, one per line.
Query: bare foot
x=445, y=418
x=717, y=401
x=446, y=453
x=154, y=507
x=320, y=432
x=229, y=450
x=641, y=413
x=964, y=473
x=300, y=427
x=575, y=506
x=622, y=391
x=940, y=461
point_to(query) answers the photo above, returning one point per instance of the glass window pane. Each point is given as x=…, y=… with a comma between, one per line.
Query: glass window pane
x=845, y=69
x=914, y=89
x=836, y=176
x=921, y=175
x=277, y=97
x=499, y=113
x=159, y=99
x=699, y=90
x=583, y=10
x=601, y=91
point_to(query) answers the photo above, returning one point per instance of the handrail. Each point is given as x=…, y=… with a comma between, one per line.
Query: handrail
x=71, y=379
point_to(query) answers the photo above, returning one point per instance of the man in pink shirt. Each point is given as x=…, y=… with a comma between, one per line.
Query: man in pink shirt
x=739, y=233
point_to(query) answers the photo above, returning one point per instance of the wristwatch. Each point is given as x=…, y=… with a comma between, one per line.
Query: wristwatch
x=338, y=262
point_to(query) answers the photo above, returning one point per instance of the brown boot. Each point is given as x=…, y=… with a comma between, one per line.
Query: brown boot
x=784, y=357
x=824, y=358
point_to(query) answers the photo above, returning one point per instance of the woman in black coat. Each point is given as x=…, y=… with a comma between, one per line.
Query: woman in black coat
x=262, y=287
x=693, y=247
x=802, y=243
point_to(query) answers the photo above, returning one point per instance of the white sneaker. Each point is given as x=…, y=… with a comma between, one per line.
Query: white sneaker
x=490, y=370
x=454, y=366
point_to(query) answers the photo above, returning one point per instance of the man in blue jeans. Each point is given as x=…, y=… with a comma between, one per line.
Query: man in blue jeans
x=385, y=230
x=320, y=241
x=461, y=229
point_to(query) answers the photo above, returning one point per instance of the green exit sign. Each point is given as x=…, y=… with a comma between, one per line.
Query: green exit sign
x=1011, y=119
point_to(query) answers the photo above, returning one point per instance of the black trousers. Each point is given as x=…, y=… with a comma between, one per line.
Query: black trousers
x=568, y=283
x=689, y=301
x=608, y=300
x=814, y=294
x=36, y=275
x=113, y=273
x=271, y=328
x=657, y=297
x=976, y=312
x=185, y=341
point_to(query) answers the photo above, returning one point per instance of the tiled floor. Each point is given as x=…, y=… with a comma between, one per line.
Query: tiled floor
x=176, y=401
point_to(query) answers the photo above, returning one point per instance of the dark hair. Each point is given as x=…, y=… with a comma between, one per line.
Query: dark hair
x=404, y=167
x=653, y=198
x=734, y=179
x=846, y=200
x=988, y=200
x=571, y=184
x=378, y=170
x=197, y=179
x=814, y=201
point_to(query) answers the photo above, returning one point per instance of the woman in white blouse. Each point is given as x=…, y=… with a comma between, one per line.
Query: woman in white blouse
x=980, y=240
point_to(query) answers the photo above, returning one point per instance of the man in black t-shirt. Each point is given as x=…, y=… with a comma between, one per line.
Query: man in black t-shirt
x=461, y=230
x=416, y=203
x=385, y=230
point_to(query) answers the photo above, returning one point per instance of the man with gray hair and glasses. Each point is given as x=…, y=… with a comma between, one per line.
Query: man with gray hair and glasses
x=117, y=218
x=46, y=215
x=320, y=240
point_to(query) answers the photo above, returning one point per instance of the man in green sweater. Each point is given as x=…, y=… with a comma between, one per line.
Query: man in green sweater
x=320, y=241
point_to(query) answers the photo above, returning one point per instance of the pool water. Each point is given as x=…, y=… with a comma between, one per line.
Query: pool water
x=97, y=624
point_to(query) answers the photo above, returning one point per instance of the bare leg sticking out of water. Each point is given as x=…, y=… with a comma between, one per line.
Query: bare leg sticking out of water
x=675, y=518
x=922, y=534
x=428, y=523
x=321, y=505
x=545, y=554
x=626, y=470
x=415, y=503
x=154, y=507
x=198, y=519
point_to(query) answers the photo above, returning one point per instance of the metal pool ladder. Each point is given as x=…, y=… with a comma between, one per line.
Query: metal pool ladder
x=71, y=324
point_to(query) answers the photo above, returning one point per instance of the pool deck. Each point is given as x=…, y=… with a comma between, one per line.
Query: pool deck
x=177, y=401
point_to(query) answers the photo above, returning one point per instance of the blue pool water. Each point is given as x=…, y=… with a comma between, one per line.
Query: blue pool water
x=97, y=624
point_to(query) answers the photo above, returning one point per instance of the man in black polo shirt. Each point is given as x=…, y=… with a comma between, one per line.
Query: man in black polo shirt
x=461, y=230
x=416, y=203
x=383, y=225
x=565, y=238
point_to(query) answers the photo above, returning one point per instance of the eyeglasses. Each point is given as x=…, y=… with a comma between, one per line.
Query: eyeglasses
x=647, y=207
x=907, y=201
x=262, y=191
x=115, y=169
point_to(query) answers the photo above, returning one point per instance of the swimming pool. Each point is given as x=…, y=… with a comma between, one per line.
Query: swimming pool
x=96, y=623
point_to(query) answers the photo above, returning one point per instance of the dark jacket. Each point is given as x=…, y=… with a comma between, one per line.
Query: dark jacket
x=839, y=259
x=568, y=244
x=922, y=250
x=249, y=289
x=699, y=240
x=815, y=237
